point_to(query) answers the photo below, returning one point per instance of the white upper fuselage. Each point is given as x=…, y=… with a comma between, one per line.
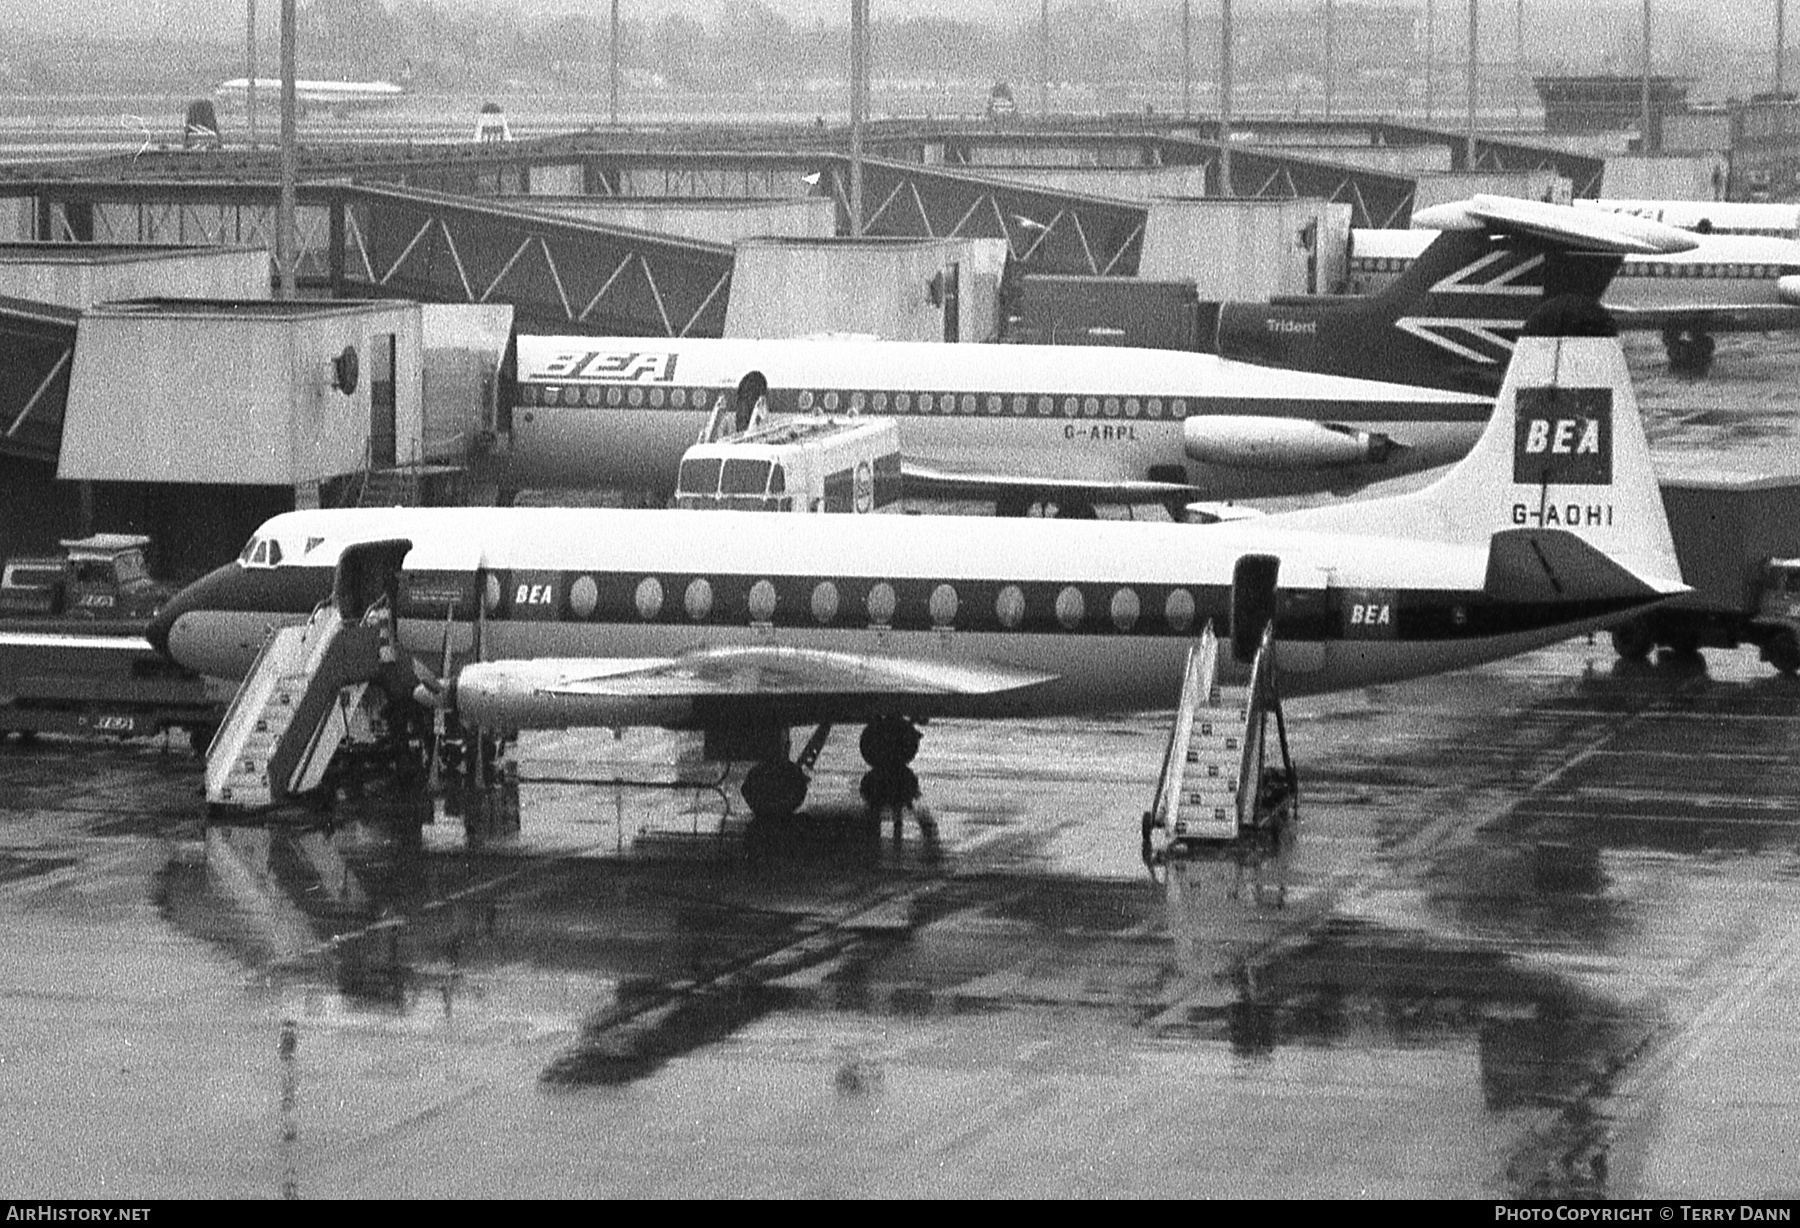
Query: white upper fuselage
x=1721, y=270
x=1717, y=217
x=1108, y=609
x=620, y=411
x=311, y=93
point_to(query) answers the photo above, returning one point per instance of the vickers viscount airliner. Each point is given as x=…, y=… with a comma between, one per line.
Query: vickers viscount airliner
x=747, y=625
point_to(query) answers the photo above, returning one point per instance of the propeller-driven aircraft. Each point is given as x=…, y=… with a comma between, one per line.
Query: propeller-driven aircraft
x=747, y=626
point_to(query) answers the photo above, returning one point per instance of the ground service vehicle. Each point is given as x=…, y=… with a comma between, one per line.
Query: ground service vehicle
x=798, y=464
x=72, y=654
x=1738, y=540
x=102, y=577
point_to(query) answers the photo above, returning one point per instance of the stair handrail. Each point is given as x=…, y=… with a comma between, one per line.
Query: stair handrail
x=1202, y=662
x=1261, y=688
x=237, y=698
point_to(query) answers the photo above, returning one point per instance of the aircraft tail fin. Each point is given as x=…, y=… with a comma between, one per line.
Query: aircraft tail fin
x=1479, y=272
x=1565, y=450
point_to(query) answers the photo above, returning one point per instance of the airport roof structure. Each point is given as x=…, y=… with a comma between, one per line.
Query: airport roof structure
x=455, y=222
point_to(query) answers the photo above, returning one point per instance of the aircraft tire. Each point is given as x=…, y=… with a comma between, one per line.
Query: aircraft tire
x=1684, y=644
x=889, y=742
x=893, y=788
x=774, y=789
x=1690, y=351
x=1783, y=652
x=1632, y=640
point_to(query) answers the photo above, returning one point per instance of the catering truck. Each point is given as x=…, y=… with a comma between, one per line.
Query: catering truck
x=795, y=464
x=102, y=578
x=1738, y=539
x=73, y=658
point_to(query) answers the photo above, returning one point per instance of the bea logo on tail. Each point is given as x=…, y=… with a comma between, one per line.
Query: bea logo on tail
x=1563, y=437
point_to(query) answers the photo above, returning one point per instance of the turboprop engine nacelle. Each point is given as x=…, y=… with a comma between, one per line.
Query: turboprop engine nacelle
x=550, y=694
x=1247, y=442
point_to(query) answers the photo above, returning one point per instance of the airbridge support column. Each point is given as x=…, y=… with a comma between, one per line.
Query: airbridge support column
x=895, y=289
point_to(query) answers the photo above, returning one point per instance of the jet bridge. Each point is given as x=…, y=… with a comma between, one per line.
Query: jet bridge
x=364, y=241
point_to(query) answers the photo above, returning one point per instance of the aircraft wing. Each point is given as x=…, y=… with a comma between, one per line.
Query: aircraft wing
x=1710, y=317
x=783, y=670
x=1580, y=229
x=737, y=682
x=927, y=482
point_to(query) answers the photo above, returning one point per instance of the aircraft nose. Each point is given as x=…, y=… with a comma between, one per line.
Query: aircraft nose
x=163, y=622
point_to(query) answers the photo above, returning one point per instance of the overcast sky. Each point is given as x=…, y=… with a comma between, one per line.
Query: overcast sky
x=1548, y=22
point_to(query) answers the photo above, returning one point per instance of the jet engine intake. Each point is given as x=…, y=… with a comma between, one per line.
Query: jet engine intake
x=1248, y=442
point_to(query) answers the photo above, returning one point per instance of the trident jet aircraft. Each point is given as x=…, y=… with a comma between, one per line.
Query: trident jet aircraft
x=1080, y=425
x=1716, y=283
x=746, y=625
x=1016, y=424
x=1449, y=318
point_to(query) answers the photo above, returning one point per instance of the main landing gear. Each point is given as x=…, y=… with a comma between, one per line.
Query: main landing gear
x=776, y=787
x=1690, y=349
x=890, y=787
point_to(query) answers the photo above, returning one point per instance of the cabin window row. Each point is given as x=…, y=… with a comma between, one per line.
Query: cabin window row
x=1748, y=272
x=829, y=603
x=1018, y=405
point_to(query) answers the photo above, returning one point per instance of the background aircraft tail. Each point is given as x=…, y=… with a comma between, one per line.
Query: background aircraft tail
x=1565, y=450
x=1448, y=321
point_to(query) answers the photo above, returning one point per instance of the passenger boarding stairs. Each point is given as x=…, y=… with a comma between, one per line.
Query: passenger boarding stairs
x=1218, y=790
x=295, y=708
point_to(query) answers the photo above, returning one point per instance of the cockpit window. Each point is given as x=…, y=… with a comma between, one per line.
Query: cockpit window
x=260, y=552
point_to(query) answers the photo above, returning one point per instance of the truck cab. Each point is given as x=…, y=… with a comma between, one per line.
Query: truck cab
x=801, y=464
x=101, y=577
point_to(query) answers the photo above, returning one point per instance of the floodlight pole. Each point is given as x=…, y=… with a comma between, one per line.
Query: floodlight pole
x=1474, y=83
x=250, y=70
x=859, y=107
x=1187, y=58
x=1224, y=97
x=285, y=257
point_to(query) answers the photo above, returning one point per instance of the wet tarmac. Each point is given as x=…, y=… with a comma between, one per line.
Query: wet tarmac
x=1541, y=937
